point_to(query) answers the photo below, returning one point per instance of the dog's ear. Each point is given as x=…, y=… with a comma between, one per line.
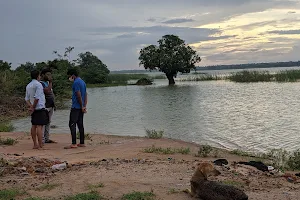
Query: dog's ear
x=203, y=172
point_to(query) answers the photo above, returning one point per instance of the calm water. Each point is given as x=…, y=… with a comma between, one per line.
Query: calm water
x=254, y=117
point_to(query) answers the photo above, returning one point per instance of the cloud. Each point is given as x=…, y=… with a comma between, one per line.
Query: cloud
x=178, y=21
x=115, y=30
x=285, y=32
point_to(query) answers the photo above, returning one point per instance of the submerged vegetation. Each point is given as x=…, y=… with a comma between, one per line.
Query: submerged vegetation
x=248, y=76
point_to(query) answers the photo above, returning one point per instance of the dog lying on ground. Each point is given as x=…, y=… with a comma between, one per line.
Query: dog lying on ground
x=203, y=189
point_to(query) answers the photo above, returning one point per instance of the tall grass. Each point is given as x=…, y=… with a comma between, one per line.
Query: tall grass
x=265, y=76
x=251, y=76
x=288, y=76
x=202, y=77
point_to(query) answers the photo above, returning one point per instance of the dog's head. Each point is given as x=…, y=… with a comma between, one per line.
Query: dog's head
x=207, y=169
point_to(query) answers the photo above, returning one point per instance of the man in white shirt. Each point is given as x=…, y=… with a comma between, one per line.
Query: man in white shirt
x=35, y=99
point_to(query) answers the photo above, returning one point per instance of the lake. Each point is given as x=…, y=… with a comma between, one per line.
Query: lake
x=247, y=116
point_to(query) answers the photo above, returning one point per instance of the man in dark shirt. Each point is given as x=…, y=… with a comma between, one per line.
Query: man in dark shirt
x=79, y=102
x=46, y=81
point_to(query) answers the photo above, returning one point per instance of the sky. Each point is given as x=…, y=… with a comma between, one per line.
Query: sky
x=221, y=31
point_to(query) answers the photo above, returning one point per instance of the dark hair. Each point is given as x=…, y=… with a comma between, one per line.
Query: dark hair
x=72, y=71
x=34, y=74
x=46, y=70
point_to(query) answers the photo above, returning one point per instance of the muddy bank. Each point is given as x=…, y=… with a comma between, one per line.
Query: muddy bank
x=121, y=166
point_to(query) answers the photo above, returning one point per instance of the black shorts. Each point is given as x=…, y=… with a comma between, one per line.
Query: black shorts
x=40, y=117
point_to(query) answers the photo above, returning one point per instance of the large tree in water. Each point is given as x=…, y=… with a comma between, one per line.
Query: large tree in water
x=171, y=56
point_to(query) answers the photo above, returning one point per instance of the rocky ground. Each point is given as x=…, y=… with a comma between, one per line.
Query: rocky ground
x=114, y=166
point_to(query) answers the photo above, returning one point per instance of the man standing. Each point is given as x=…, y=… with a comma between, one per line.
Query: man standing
x=35, y=100
x=46, y=81
x=79, y=102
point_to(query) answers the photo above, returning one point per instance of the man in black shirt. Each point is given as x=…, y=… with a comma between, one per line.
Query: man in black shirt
x=46, y=81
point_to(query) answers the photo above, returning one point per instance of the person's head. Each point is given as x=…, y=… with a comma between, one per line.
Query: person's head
x=46, y=74
x=72, y=74
x=35, y=74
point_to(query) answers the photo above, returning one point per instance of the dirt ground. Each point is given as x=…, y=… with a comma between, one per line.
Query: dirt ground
x=120, y=164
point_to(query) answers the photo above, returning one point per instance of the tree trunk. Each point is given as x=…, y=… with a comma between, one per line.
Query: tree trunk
x=171, y=79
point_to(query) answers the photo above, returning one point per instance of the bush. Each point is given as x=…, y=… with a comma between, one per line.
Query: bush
x=204, y=151
x=293, y=161
x=8, y=141
x=144, y=81
x=153, y=134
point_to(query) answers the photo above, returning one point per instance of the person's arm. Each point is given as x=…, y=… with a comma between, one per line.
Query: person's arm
x=27, y=99
x=85, y=99
x=79, y=98
x=38, y=93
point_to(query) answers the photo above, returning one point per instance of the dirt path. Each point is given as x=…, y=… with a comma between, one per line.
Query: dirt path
x=120, y=164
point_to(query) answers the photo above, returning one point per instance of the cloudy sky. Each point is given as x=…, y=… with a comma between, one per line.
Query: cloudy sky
x=222, y=31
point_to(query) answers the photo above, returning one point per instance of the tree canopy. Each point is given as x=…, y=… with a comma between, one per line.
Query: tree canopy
x=171, y=56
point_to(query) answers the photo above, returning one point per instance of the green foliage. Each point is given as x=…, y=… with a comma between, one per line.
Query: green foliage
x=10, y=194
x=93, y=70
x=85, y=196
x=171, y=56
x=251, y=76
x=288, y=76
x=153, y=134
x=204, y=151
x=144, y=81
x=240, y=153
x=139, y=196
x=6, y=127
x=202, y=77
x=293, y=161
x=8, y=141
x=4, y=65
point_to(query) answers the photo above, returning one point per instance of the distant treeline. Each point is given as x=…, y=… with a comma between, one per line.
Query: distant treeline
x=251, y=65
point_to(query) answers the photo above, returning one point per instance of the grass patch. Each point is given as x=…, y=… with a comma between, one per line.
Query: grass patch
x=204, y=151
x=6, y=127
x=48, y=187
x=85, y=196
x=153, y=134
x=173, y=191
x=99, y=185
x=139, y=196
x=10, y=194
x=8, y=141
x=167, y=150
x=34, y=198
x=87, y=136
x=241, y=153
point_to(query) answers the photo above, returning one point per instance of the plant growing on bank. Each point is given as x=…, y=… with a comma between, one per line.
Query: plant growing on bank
x=204, y=151
x=139, y=196
x=153, y=134
x=293, y=161
x=170, y=57
x=8, y=141
x=6, y=127
x=85, y=196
